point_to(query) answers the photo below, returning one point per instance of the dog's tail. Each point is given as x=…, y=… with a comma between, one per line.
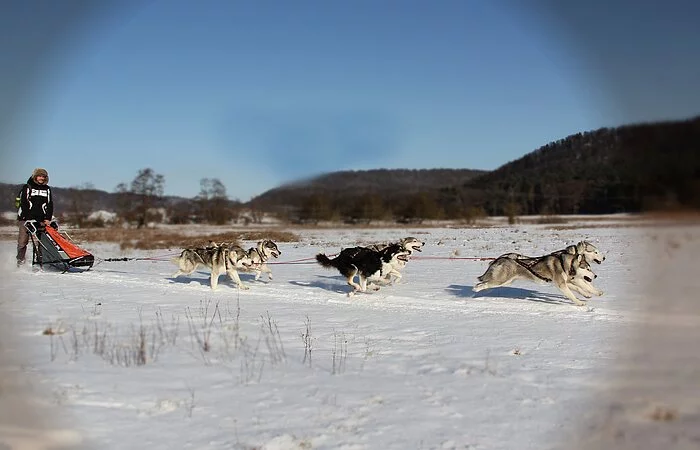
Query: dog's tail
x=325, y=261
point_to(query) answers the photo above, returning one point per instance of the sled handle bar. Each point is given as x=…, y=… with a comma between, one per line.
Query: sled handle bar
x=33, y=225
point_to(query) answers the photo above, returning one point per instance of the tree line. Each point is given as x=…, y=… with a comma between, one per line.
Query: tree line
x=632, y=168
x=142, y=201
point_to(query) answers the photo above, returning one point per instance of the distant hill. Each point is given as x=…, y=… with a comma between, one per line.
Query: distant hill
x=624, y=169
x=389, y=184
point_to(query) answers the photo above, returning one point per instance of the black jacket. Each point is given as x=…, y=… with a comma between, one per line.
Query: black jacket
x=35, y=202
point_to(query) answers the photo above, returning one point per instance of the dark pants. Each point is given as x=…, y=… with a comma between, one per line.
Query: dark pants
x=22, y=242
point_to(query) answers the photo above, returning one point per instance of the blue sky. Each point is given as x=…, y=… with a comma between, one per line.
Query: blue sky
x=258, y=93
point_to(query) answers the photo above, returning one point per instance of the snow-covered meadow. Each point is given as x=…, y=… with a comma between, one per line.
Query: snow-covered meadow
x=126, y=357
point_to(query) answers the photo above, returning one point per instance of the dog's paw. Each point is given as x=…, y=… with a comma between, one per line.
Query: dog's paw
x=243, y=286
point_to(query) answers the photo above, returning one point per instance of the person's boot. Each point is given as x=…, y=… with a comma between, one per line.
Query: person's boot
x=21, y=254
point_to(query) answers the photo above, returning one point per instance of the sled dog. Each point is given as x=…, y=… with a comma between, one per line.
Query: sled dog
x=589, y=251
x=409, y=244
x=582, y=281
x=370, y=265
x=259, y=256
x=563, y=270
x=218, y=258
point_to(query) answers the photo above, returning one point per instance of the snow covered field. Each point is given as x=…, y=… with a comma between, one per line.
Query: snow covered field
x=126, y=357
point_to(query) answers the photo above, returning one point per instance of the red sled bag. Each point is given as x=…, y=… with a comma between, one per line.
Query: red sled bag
x=54, y=249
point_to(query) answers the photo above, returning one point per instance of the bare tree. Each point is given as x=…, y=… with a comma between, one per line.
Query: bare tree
x=213, y=202
x=144, y=194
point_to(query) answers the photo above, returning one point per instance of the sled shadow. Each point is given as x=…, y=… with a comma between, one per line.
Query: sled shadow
x=327, y=283
x=513, y=293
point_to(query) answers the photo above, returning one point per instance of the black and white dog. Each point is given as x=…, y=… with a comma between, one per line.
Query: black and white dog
x=368, y=264
x=409, y=244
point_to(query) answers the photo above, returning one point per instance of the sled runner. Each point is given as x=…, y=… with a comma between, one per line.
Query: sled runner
x=56, y=250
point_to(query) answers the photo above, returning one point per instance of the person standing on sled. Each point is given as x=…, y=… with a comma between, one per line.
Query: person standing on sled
x=35, y=202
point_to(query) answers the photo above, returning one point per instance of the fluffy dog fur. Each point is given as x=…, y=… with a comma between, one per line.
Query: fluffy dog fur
x=218, y=258
x=564, y=270
x=409, y=245
x=259, y=256
x=585, y=248
x=582, y=281
x=369, y=264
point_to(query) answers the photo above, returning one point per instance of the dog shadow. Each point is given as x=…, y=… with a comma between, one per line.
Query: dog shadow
x=203, y=279
x=190, y=279
x=507, y=292
x=325, y=282
x=250, y=278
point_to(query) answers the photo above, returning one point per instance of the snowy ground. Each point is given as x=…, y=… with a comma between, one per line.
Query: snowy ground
x=294, y=363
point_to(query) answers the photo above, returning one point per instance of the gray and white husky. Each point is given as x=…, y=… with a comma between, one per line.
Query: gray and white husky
x=582, y=281
x=368, y=264
x=585, y=248
x=409, y=244
x=218, y=258
x=565, y=270
x=259, y=255
x=590, y=254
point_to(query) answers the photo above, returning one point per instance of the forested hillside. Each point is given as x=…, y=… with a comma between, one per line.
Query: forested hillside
x=625, y=169
x=631, y=168
x=364, y=194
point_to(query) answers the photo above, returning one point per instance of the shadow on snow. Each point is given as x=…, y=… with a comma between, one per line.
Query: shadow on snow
x=507, y=292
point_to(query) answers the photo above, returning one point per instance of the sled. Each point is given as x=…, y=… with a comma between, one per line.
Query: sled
x=52, y=248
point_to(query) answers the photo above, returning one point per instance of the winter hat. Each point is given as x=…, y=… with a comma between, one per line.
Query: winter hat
x=39, y=171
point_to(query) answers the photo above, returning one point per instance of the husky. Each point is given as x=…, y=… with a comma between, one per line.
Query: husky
x=370, y=265
x=589, y=251
x=409, y=245
x=582, y=281
x=218, y=258
x=563, y=270
x=259, y=256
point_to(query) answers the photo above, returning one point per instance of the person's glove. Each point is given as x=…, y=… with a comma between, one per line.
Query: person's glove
x=30, y=225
